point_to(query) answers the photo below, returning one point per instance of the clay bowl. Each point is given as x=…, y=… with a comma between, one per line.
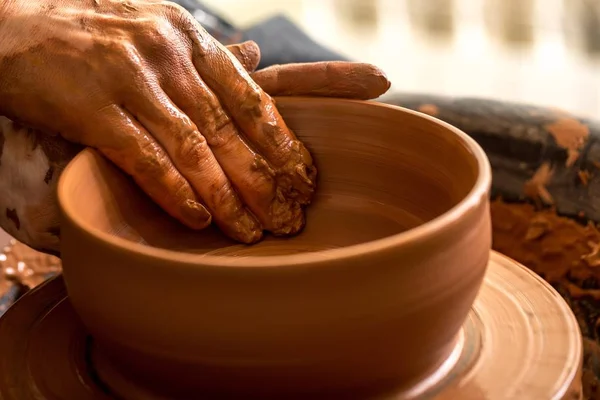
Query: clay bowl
x=372, y=293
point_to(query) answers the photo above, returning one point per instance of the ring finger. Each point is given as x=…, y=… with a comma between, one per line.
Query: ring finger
x=249, y=172
x=127, y=144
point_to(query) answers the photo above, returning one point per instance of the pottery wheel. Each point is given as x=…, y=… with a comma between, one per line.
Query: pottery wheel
x=520, y=341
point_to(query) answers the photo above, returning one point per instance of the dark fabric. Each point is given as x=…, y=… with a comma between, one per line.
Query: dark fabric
x=280, y=40
x=518, y=140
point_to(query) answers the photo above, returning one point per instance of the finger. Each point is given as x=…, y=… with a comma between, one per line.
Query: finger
x=327, y=79
x=255, y=113
x=127, y=144
x=191, y=155
x=250, y=174
x=247, y=53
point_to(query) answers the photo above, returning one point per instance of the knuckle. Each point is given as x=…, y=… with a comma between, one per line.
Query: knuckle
x=182, y=191
x=123, y=47
x=181, y=127
x=221, y=193
x=155, y=29
x=150, y=163
x=124, y=58
x=253, y=100
x=223, y=130
x=175, y=12
x=193, y=150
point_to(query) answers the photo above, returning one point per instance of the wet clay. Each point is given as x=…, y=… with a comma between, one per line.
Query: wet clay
x=571, y=135
x=278, y=308
x=536, y=188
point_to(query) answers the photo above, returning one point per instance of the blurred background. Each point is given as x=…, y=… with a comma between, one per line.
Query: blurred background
x=545, y=52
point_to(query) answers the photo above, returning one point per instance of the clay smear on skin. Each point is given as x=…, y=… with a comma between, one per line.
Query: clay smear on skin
x=571, y=135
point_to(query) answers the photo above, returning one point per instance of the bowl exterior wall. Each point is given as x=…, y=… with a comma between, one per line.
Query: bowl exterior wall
x=352, y=320
x=391, y=315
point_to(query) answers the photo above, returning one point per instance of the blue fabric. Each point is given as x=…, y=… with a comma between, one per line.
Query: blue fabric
x=282, y=42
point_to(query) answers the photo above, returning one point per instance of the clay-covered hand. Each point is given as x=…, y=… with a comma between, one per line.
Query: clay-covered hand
x=31, y=161
x=348, y=80
x=143, y=83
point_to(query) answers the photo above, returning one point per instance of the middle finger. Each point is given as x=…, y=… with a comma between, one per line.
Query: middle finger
x=249, y=172
x=191, y=155
x=254, y=112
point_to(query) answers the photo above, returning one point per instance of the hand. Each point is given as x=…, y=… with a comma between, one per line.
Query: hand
x=348, y=80
x=148, y=121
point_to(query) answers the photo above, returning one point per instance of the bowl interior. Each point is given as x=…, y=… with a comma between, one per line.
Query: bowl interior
x=382, y=170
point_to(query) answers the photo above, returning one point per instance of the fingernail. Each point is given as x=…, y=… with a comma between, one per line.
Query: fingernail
x=195, y=214
x=245, y=228
x=249, y=229
x=250, y=45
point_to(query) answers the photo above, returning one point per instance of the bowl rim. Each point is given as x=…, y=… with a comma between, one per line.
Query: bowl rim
x=435, y=227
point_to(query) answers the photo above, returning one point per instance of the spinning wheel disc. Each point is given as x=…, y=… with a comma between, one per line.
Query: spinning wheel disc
x=520, y=341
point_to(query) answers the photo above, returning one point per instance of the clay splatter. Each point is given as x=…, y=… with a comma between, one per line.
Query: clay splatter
x=584, y=177
x=571, y=135
x=535, y=188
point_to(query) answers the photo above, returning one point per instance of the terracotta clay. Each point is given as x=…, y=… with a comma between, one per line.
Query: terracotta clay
x=33, y=161
x=516, y=230
x=48, y=354
x=371, y=293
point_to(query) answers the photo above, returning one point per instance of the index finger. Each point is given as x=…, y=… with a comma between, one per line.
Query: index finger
x=254, y=112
